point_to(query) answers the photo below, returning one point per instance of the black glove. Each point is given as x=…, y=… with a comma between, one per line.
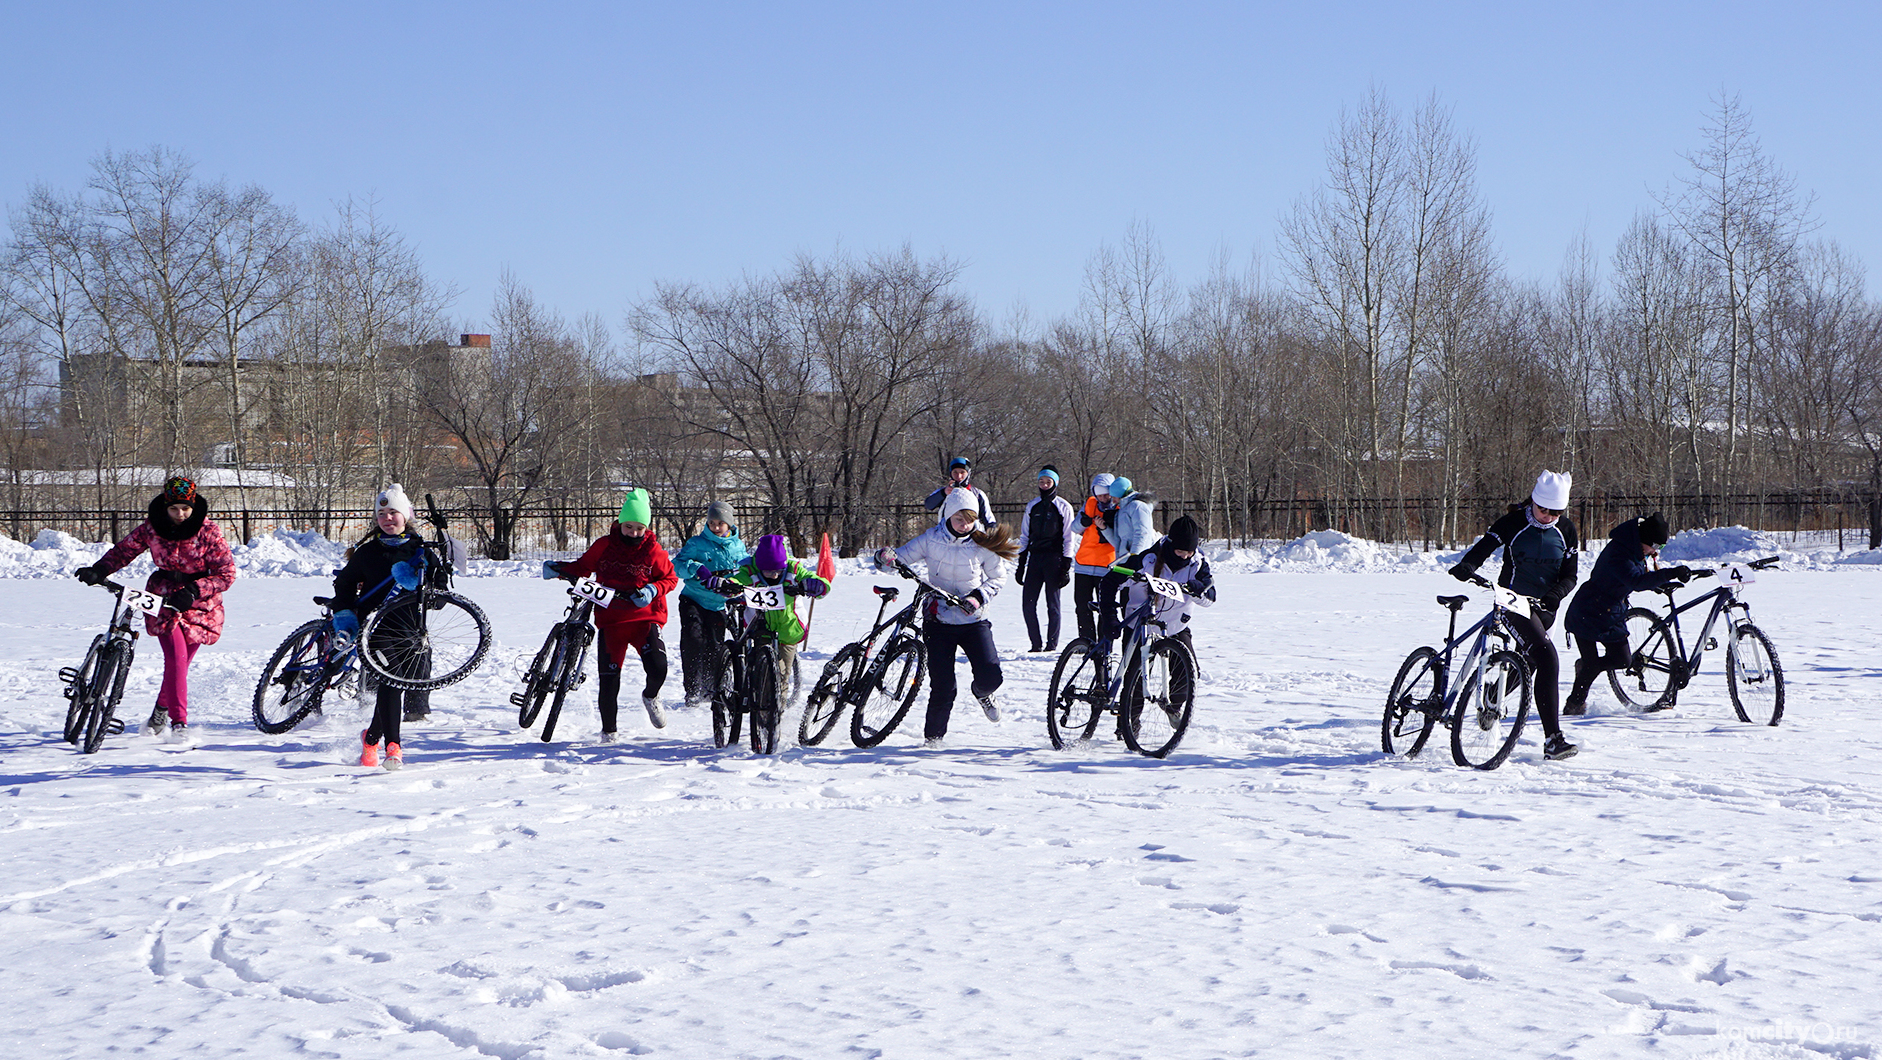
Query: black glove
x=90, y=575
x=1064, y=576
x=1019, y=569
x=1681, y=574
x=1463, y=573
x=181, y=599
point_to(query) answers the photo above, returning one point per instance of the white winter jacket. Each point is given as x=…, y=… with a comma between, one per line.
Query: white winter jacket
x=1131, y=530
x=958, y=566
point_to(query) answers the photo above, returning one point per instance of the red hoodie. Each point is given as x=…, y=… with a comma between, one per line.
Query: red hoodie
x=624, y=564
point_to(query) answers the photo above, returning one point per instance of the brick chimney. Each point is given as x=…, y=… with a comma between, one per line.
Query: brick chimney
x=477, y=341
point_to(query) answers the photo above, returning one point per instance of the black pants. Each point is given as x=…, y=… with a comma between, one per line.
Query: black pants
x=1594, y=662
x=943, y=639
x=1532, y=638
x=1041, y=569
x=1084, y=592
x=653, y=657
x=702, y=648
x=391, y=706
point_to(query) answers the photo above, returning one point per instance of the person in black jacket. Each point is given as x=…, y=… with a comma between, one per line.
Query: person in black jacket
x=1540, y=558
x=1048, y=537
x=1597, y=616
x=393, y=554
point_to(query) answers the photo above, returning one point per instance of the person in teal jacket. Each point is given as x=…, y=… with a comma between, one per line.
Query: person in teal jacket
x=702, y=611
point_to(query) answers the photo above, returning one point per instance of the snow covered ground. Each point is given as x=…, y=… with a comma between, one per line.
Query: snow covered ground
x=1689, y=886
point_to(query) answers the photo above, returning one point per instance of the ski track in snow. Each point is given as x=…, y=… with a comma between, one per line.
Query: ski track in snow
x=1688, y=886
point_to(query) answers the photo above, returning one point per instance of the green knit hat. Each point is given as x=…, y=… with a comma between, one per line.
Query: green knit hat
x=637, y=508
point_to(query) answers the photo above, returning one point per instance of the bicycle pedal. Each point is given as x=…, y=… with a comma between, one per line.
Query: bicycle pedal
x=1712, y=644
x=69, y=675
x=517, y=699
x=115, y=726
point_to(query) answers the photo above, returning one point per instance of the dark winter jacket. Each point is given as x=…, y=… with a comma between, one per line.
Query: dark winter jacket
x=624, y=564
x=1538, y=561
x=364, y=583
x=1599, y=610
x=1049, y=527
x=191, y=553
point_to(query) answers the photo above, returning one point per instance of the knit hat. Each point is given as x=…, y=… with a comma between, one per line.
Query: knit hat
x=723, y=512
x=1050, y=472
x=1120, y=486
x=1101, y=483
x=179, y=489
x=1552, y=490
x=636, y=508
x=1653, y=529
x=1185, y=534
x=393, y=497
x=960, y=499
x=771, y=556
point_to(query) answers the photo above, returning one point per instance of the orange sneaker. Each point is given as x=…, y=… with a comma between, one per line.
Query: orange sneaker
x=368, y=750
x=394, y=759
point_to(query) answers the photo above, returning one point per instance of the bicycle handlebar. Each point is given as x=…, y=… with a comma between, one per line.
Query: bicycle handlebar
x=433, y=514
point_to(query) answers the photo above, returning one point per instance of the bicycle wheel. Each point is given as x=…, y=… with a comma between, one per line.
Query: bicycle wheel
x=564, y=665
x=892, y=685
x=1413, y=706
x=77, y=690
x=1754, y=676
x=294, y=680
x=823, y=708
x=538, y=679
x=765, y=705
x=727, y=699
x=1649, y=681
x=1073, y=703
x=1159, y=698
x=425, y=639
x=114, y=665
x=1491, y=711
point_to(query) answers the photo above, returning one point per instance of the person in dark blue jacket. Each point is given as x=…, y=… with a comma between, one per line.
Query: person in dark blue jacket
x=1540, y=559
x=1597, y=617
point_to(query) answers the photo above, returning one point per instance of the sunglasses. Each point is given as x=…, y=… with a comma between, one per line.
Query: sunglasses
x=1557, y=512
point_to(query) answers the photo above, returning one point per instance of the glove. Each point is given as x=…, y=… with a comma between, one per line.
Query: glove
x=181, y=599
x=552, y=569
x=1019, y=569
x=972, y=602
x=885, y=559
x=642, y=596
x=345, y=630
x=1681, y=573
x=405, y=574
x=1064, y=576
x=710, y=580
x=1463, y=573
x=811, y=587
x=90, y=575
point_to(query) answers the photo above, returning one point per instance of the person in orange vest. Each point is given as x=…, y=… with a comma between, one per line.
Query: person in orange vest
x=1093, y=559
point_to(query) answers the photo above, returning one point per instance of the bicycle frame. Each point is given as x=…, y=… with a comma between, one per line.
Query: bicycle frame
x=1494, y=624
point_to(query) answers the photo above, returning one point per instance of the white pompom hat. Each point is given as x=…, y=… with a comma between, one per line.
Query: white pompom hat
x=393, y=497
x=1552, y=489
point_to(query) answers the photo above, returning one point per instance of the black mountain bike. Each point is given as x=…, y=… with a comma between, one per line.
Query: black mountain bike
x=748, y=674
x=1487, y=706
x=878, y=676
x=561, y=666
x=94, y=687
x=1153, y=693
x=1659, y=665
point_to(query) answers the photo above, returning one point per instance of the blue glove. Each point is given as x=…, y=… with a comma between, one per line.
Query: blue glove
x=552, y=569
x=345, y=630
x=642, y=596
x=812, y=587
x=405, y=574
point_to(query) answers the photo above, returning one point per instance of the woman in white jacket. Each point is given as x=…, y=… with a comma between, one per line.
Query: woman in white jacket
x=964, y=560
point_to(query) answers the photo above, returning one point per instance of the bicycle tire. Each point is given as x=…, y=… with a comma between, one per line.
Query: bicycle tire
x=1757, y=689
x=425, y=639
x=537, y=679
x=1651, y=678
x=108, y=684
x=1413, y=705
x=1484, y=727
x=727, y=700
x=894, y=682
x=824, y=707
x=1074, y=697
x=766, y=710
x=76, y=691
x=558, y=682
x=294, y=681
x=1160, y=698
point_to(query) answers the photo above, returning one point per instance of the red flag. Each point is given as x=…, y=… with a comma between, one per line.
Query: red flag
x=826, y=563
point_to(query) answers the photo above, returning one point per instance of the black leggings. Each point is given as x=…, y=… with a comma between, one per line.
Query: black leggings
x=1533, y=638
x=944, y=639
x=702, y=645
x=1594, y=662
x=1041, y=569
x=1084, y=591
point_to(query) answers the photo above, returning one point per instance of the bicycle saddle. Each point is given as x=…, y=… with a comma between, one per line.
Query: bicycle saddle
x=1454, y=602
x=887, y=592
x=323, y=601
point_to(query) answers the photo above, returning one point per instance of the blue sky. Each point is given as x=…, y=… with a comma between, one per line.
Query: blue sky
x=593, y=149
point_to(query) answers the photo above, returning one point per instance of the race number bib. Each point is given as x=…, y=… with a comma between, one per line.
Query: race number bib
x=765, y=597
x=594, y=592
x=1737, y=575
x=1163, y=587
x=139, y=600
x=1512, y=601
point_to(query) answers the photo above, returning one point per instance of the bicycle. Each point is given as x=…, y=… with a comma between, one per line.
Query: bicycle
x=878, y=676
x=1478, y=711
x=95, y=686
x=1153, y=694
x=560, y=665
x=439, y=638
x=1659, y=665
x=748, y=674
